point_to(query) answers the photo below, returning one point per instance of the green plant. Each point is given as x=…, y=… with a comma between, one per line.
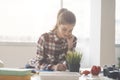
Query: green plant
x=73, y=59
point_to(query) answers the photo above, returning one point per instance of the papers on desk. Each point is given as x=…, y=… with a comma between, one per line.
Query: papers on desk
x=65, y=76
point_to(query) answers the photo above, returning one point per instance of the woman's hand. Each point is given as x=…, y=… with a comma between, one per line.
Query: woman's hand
x=70, y=41
x=60, y=67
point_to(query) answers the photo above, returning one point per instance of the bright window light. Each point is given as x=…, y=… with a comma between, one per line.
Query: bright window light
x=26, y=20
x=117, y=34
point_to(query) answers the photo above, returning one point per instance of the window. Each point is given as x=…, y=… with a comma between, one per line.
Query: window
x=117, y=36
x=26, y=20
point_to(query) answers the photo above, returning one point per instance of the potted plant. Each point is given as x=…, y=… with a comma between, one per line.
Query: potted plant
x=73, y=59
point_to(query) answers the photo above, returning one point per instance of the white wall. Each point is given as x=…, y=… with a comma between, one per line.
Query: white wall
x=16, y=54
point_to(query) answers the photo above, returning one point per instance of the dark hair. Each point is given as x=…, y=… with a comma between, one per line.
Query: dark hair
x=65, y=17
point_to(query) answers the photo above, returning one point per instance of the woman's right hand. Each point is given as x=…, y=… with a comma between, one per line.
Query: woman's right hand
x=60, y=67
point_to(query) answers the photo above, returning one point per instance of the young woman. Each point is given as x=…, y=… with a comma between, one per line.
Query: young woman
x=53, y=46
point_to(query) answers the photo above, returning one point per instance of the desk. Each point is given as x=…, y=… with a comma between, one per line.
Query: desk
x=57, y=75
x=81, y=77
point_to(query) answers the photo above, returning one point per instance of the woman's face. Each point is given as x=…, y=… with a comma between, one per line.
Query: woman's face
x=65, y=31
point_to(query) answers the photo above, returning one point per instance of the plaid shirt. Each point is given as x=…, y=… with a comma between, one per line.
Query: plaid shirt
x=50, y=50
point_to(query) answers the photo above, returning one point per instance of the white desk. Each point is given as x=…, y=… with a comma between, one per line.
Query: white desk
x=66, y=76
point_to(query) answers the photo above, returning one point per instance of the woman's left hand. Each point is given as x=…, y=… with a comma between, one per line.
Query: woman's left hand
x=70, y=41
